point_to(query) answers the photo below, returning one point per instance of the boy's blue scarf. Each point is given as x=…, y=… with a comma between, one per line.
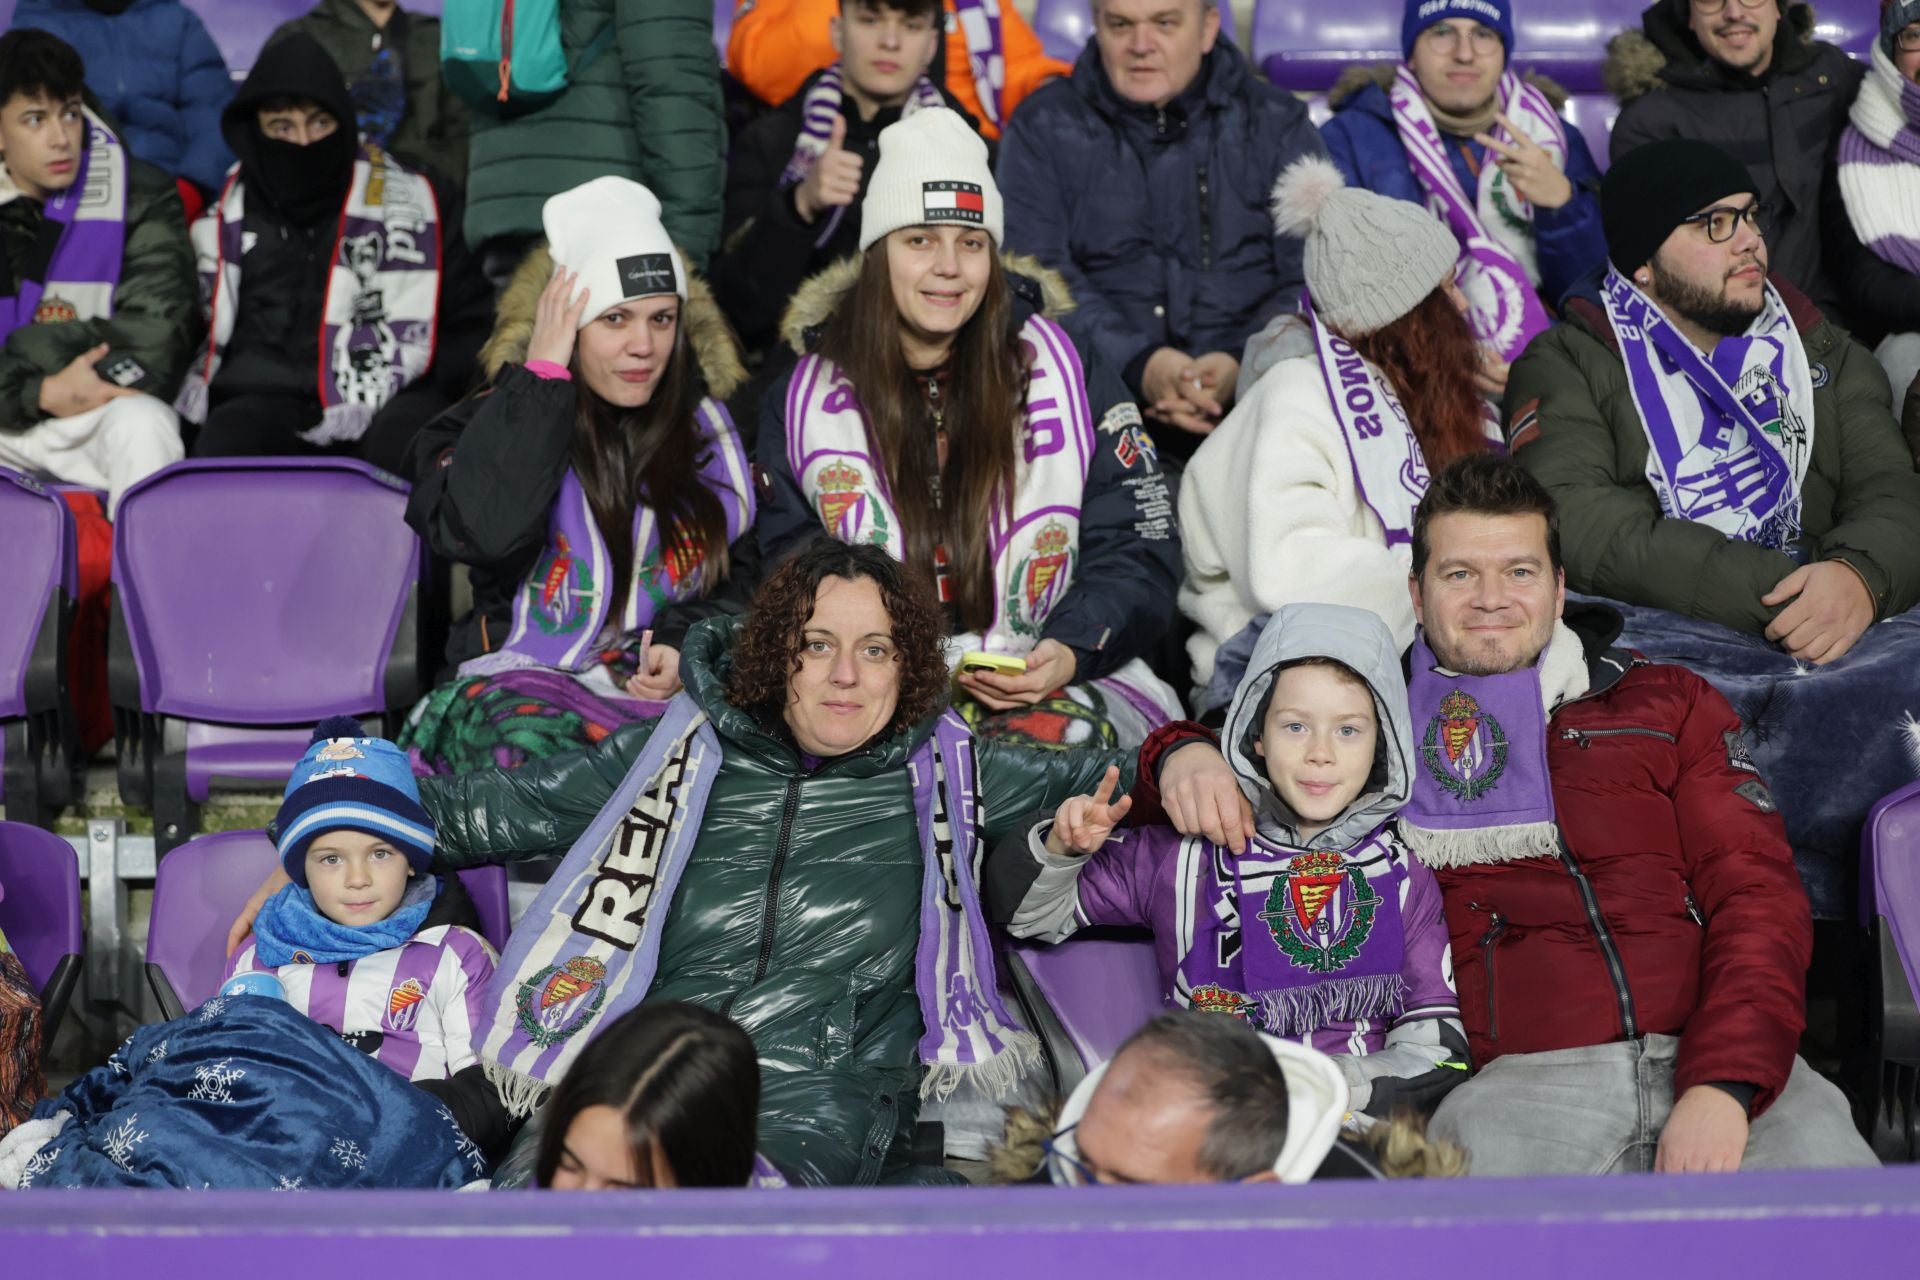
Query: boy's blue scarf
x=291, y=930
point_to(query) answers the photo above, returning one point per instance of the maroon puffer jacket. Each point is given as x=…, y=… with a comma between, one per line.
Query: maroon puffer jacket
x=1675, y=907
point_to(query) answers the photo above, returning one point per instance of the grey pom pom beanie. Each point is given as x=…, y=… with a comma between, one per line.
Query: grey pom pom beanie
x=1370, y=258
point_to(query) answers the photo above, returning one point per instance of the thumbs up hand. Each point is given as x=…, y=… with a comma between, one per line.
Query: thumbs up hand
x=834, y=179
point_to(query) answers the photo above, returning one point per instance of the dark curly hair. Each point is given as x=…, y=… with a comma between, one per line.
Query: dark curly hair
x=766, y=650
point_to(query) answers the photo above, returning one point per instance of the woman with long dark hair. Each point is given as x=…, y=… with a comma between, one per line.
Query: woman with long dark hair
x=1305, y=493
x=597, y=490
x=939, y=410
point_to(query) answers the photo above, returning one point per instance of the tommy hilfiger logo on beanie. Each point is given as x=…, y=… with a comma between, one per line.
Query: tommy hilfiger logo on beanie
x=953, y=202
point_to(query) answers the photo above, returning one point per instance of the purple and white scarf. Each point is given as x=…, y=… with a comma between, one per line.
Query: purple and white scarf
x=560, y=613
x=818, y=110
x=1310, y=937
x=1481, y=792
x=1880, y=164
x=1729, y=435
x=986, y=55
x=378, y=323
x=84, y=269
x=1036, y=541
x=1499, y=268
x=589, y=947
x=1388, y=467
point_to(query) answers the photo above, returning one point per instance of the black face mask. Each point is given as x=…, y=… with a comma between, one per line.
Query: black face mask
x=304, y=183
x=108, y=6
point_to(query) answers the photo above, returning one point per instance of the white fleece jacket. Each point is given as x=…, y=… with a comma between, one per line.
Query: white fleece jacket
x=1270, y=514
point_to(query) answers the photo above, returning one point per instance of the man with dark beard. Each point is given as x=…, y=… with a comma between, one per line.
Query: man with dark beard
x=1748, y=76
x=1727, y=466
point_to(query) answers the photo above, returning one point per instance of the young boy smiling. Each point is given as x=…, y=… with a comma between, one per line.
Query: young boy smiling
x=1326, y=931
x=367, y=940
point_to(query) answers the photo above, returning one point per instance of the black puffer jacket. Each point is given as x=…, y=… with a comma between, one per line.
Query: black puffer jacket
x=1782, y=125
x=798, y=912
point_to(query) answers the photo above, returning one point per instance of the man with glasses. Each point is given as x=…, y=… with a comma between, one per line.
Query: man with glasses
x=1728, y=468
x=1748, y=76
x=1456, y=129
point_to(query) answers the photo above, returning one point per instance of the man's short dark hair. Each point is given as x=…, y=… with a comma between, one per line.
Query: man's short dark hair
x=39, y=64
x=932, y=10
x=1484, y=484
x=1230, y=1066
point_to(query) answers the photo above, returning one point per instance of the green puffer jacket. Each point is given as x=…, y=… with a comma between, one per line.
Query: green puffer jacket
x=433, y=133
x=798, y=915
x=1572, y=423
x=647, y=108
x=156, y=306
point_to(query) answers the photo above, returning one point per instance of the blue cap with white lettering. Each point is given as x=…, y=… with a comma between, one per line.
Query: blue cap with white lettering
x=1421, y=14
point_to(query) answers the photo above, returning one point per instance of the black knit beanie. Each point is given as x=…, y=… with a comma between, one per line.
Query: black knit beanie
x=1651, y=188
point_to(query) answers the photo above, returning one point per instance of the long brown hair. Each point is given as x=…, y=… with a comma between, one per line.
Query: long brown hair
x=1429, y=356
x=985, y=400
x=650, y=455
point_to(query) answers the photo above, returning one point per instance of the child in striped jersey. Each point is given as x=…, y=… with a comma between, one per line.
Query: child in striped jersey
x=367, y=940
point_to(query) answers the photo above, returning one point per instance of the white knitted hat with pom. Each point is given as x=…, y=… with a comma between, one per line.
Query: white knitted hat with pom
x=1370, y=258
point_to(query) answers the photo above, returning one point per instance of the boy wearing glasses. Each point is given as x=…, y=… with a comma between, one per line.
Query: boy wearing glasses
x=1728, y=467
x=1747, y=76
x=1454, y=128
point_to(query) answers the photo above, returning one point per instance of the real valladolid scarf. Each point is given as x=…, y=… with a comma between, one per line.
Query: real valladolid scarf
x=1880, y=165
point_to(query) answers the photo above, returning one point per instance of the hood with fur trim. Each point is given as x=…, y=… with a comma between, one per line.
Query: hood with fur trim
x=818, y=296
x=1360, y=75
x=709, y=337
x=1664, y=49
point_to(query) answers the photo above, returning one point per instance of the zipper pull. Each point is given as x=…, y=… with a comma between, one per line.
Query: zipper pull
x=1576, y=737
x=1693, y=911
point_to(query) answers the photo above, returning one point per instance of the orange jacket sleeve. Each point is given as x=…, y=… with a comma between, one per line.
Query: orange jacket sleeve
x=776, y=44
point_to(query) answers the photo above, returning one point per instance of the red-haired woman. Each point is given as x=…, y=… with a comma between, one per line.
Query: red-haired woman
x=940, y=412
x=1305, y=494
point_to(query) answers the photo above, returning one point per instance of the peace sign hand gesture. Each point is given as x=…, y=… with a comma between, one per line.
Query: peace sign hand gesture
x=1528, y=167
x=1083, y=823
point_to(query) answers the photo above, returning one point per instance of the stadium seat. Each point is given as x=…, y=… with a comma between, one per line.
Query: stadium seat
x=253, y=598
x=722, y=27
x=1890, y=907
x=1084, y=997
x=39, y=579
x=200, y=887
x=40, y=914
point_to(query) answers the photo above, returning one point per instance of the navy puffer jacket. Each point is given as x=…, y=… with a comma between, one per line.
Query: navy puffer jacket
x=159, y=75
x=1158, y=218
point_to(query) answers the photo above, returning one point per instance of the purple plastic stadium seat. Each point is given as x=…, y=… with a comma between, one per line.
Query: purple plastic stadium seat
x=40, y=914
x=1084, y=997
x=252, y=599
x=200, y=887
x=39, y=579
x=722, y=28
x=1890, y=907
x=1593, y=114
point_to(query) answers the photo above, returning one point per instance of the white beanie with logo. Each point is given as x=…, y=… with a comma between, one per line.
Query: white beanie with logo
x=608, y=233
x=932, y=169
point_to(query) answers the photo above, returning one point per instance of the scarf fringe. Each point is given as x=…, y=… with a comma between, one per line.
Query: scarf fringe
x=340, y=424
x=1480, y=846
x=521, y=1094
x=1298, y=1010
x=995, y=1078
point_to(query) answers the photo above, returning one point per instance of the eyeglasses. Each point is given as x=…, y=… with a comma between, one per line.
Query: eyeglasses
x=1445, y=38
x=1715, y=6
x=1092, y=1175
x=1907, y=38
x=1723, y=220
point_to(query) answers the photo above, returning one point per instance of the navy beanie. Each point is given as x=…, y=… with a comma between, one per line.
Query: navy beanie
x=349, y=782
x=1421, y=14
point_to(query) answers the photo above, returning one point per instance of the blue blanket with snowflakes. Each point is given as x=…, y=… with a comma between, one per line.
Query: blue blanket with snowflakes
x=244, y=1092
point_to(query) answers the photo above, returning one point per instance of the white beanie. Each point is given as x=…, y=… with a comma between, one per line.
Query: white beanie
x=932, y=168
x=1370, y=259
x=608, y=233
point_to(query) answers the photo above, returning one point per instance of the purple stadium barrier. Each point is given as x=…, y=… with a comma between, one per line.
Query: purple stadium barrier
x=40, y=914
x=200, y=887
x=39, y=579
x=1083, y=997
x=1890, y=907
x=255, y=597
x=1840, y=1222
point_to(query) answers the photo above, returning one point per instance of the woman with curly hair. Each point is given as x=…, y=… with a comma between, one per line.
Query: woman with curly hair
x=795, y=843
x=596, y=489
x=1305, y=493
x=939, y=411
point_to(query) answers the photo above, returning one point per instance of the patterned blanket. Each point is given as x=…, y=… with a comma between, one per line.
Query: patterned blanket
x=243, y=1092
